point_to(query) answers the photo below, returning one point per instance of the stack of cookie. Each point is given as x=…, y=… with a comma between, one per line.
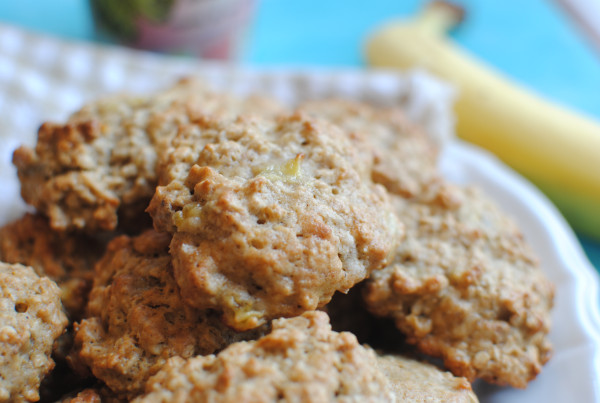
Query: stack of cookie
x=203, y=243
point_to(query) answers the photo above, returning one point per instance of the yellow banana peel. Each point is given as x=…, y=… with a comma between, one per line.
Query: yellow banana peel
x=555, y=148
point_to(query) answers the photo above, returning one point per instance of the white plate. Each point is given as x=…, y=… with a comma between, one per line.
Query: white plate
x=43, y=78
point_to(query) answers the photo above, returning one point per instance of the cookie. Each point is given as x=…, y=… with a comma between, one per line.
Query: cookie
x=31, y=319
x=300, y=360
x=100, y=166
x=398, y=154
x=269, y=218
x=466, y=287
x=136, y=318
x=416, y=381
x=67, y=259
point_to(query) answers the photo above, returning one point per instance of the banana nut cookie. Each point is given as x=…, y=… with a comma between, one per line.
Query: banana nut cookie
x=465, y=287
x=270, y=218
x=399, y=154
x=99, y=167
x=301, y=360
x=415, y=381
x=67, y=259
x=31, y=319
x=136, y=317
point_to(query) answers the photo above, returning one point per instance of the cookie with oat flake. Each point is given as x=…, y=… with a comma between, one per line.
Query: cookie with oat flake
x=31, y=319
x=466, y=287
x=300, y=360
x=65, y=258
x=398, y=154
x=99, y=168
x=303, y=360
x=136, y=317
x=416, y=381
x=495, y=326
x=269, y=218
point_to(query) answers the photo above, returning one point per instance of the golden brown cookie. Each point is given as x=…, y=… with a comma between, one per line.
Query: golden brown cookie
x=301, y=360
x=466, y=287
x=67, y=259
x=99, y=166
x=31, y=319
x=398, y=153
x=416, y=381
x=137, y=319
x=269, y=218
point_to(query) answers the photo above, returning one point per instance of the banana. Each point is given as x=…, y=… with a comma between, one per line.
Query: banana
x=555, y=148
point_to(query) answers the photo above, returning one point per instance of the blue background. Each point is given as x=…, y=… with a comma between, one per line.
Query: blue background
x=532, y=41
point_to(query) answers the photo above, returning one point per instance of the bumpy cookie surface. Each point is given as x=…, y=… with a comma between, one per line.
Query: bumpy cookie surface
x=137, y=319
x=301, y=360
x=400, y=155
x=65, y=258
x=31, y=319
x=269, y=218
x=99, y=167
x=465, y=287
x=415, y=381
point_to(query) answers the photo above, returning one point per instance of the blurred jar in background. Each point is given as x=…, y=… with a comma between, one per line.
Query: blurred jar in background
x=209, y=29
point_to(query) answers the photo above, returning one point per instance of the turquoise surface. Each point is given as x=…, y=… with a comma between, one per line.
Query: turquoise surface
x=531, y=41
